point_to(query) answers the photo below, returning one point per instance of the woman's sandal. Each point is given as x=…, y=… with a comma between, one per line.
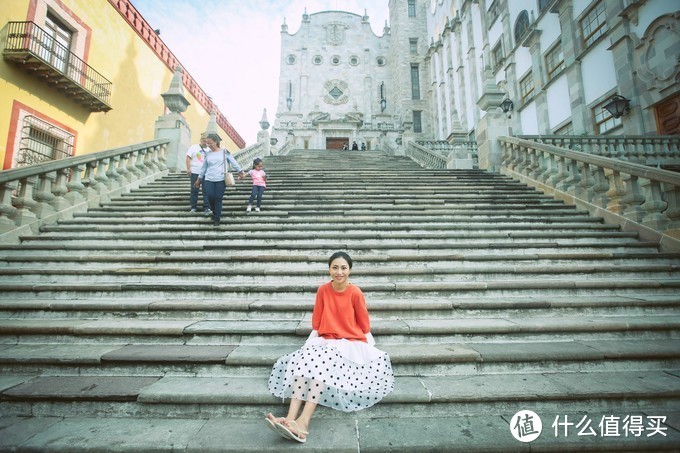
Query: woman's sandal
x=272, y=421
x=288, y=434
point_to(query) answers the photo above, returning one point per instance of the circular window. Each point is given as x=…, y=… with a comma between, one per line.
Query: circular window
x=317, y=59
x=380, y=61
x=290, y=59
x=335, y=60
x=354, y=60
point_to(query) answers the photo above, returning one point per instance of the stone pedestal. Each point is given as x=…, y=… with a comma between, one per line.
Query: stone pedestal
x=174, y=127
x=493, y=125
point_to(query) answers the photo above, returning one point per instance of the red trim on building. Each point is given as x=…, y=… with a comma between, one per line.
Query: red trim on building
x=144, y=30
x=17, y=108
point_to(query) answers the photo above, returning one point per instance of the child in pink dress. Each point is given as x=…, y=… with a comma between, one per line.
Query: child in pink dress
x=259, y=178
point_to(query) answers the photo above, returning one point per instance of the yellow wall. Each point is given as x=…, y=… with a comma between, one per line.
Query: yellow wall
x=119, y=54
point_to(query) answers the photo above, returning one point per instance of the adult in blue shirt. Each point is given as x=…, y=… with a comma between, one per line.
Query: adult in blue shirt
x=216, y=162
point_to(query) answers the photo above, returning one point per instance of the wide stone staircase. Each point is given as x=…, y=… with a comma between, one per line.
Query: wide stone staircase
x=138, y=326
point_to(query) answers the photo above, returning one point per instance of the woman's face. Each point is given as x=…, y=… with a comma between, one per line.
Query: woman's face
x=211, y=143
x=339, y=271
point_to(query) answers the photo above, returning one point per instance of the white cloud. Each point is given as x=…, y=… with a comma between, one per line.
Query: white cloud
x=232, y=47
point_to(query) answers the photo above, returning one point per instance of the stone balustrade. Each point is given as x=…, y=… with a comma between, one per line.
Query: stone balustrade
x=424, y=156
x=655, y=150
x=637, y=197
x=51, y=191
x=245, y=156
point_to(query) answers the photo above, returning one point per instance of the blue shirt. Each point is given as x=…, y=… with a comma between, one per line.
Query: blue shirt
x=213, y=165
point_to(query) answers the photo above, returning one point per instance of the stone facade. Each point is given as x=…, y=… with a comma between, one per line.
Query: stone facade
x=443, y=67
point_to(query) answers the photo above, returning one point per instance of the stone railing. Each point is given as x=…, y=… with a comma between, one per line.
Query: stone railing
x=425, y=157
x=635, y=196
x=46, y=193
x=459, y=154
x=285, y=149
x=245, y=156
x=654, y=150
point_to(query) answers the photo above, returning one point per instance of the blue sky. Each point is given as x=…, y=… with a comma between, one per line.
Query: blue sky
x=232, y=47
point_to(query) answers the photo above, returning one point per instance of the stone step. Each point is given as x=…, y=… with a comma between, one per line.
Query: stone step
x=407, y=331
x=363, y=432
x=423, y=359
x=244, y=397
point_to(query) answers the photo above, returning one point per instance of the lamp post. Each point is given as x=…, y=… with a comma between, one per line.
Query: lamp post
x=617, y=106
x=289, y=99
x=383, y=101
x=507, y=105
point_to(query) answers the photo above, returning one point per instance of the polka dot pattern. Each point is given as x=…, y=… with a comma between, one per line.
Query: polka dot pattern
x=323, y=375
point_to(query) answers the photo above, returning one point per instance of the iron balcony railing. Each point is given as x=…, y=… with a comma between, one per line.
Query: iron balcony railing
x=32, y=48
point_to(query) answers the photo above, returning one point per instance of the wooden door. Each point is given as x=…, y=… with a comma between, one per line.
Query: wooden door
x=668, y=116
x=336, y=142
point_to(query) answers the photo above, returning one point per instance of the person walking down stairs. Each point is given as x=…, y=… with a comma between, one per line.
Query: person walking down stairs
x=194, y=161
x=259, y=178
x=213, y=173
x=338, y=366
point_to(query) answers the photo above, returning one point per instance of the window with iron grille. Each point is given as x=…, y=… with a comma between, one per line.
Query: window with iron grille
x=554, y=61
x=593, y=24
x=42, y=142
x=604, y=121
x=415, y=82
x=417, y=121
x=526, y=87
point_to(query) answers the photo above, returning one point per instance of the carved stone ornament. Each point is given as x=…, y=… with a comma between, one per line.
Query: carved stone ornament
x=337, y=92
x=658, y=64
x=335, y=33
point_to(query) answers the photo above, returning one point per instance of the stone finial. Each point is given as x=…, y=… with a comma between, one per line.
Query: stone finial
x=386, y=28
x=212, y=123
x=284, y=26
x=174, y=98
x=305, y=16
x=364, y=18
x=264, y=123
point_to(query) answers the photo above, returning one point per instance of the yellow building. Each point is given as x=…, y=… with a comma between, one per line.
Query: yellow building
x=79, y=76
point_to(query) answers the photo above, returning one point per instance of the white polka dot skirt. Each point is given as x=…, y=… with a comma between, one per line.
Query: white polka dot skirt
x=342, y=374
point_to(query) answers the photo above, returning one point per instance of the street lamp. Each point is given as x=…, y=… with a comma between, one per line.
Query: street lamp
x=383, y=102
x=506, y=105
x=617, y=106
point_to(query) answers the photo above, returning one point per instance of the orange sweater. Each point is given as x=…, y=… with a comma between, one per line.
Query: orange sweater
x=340, y=314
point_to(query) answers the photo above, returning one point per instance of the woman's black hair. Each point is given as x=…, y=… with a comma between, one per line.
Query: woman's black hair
x=342, y=255
x=214, y=137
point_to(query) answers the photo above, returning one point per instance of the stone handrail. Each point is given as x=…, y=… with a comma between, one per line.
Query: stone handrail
x=643, y=149
x=285, y=149
x=245, y=156
x=424, y=156
x=635, y=196
x=51, y=191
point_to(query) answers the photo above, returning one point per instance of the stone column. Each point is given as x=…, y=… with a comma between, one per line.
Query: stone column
x=173, y=126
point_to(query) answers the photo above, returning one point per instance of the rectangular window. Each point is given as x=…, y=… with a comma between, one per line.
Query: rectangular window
x=411, y=8
x=415, y=82
x=57, y=43
x=413, y=46
x=554, y=61
x=604, y=121
x=593, y=24
x=526, y=87
x=417, y=121
x=497, y=55
x=567, y=129
x=42, y=142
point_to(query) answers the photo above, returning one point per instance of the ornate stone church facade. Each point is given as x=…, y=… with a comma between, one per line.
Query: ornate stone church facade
x=442, y=69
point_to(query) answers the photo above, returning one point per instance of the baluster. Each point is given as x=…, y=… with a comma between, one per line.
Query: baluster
x=143, y=162
x=532, y=167
x=570, y=184
x=75, y=185
x=24, y=201
x=550, y=168
x=44, y=196
x=633, y=199
x=600, y=188
x=584, y=189
x=59, y=190
x=89, y=192
x=672, y=196
x=522, y=161
x=101, y=181
x=559, y=180
x=123, y=173
x=114, y=181
x=137, y=166
x=160, y=156
x=653, y=208
x=616, y=192
x=7, y=211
